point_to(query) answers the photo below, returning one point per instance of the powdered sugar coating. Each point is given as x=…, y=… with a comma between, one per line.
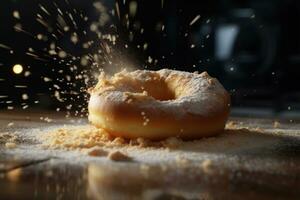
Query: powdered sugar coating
x=196, y=94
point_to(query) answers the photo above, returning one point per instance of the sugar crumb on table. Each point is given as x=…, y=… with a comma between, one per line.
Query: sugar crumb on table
x=206, y=166
x=10, y=145
x=118, y=156
x=181, y=161
x=97, y=152
x=119, y=141
x=231, y=125
x=10, y=124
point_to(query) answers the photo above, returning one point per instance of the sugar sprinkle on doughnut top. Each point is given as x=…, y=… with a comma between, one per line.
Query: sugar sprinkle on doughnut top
x=188, y=88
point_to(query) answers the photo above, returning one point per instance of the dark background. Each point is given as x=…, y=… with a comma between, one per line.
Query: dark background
x=251, y=47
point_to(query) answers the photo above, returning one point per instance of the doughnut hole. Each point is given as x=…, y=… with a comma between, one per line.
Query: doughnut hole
x=159, y=91
x=150, y=84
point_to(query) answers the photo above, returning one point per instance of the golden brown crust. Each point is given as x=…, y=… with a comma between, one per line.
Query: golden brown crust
x=159, y=117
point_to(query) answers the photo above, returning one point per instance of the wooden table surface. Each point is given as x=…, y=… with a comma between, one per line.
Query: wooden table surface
x=248, y=164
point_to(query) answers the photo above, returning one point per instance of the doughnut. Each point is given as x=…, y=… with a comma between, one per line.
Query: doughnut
x=159, y=104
